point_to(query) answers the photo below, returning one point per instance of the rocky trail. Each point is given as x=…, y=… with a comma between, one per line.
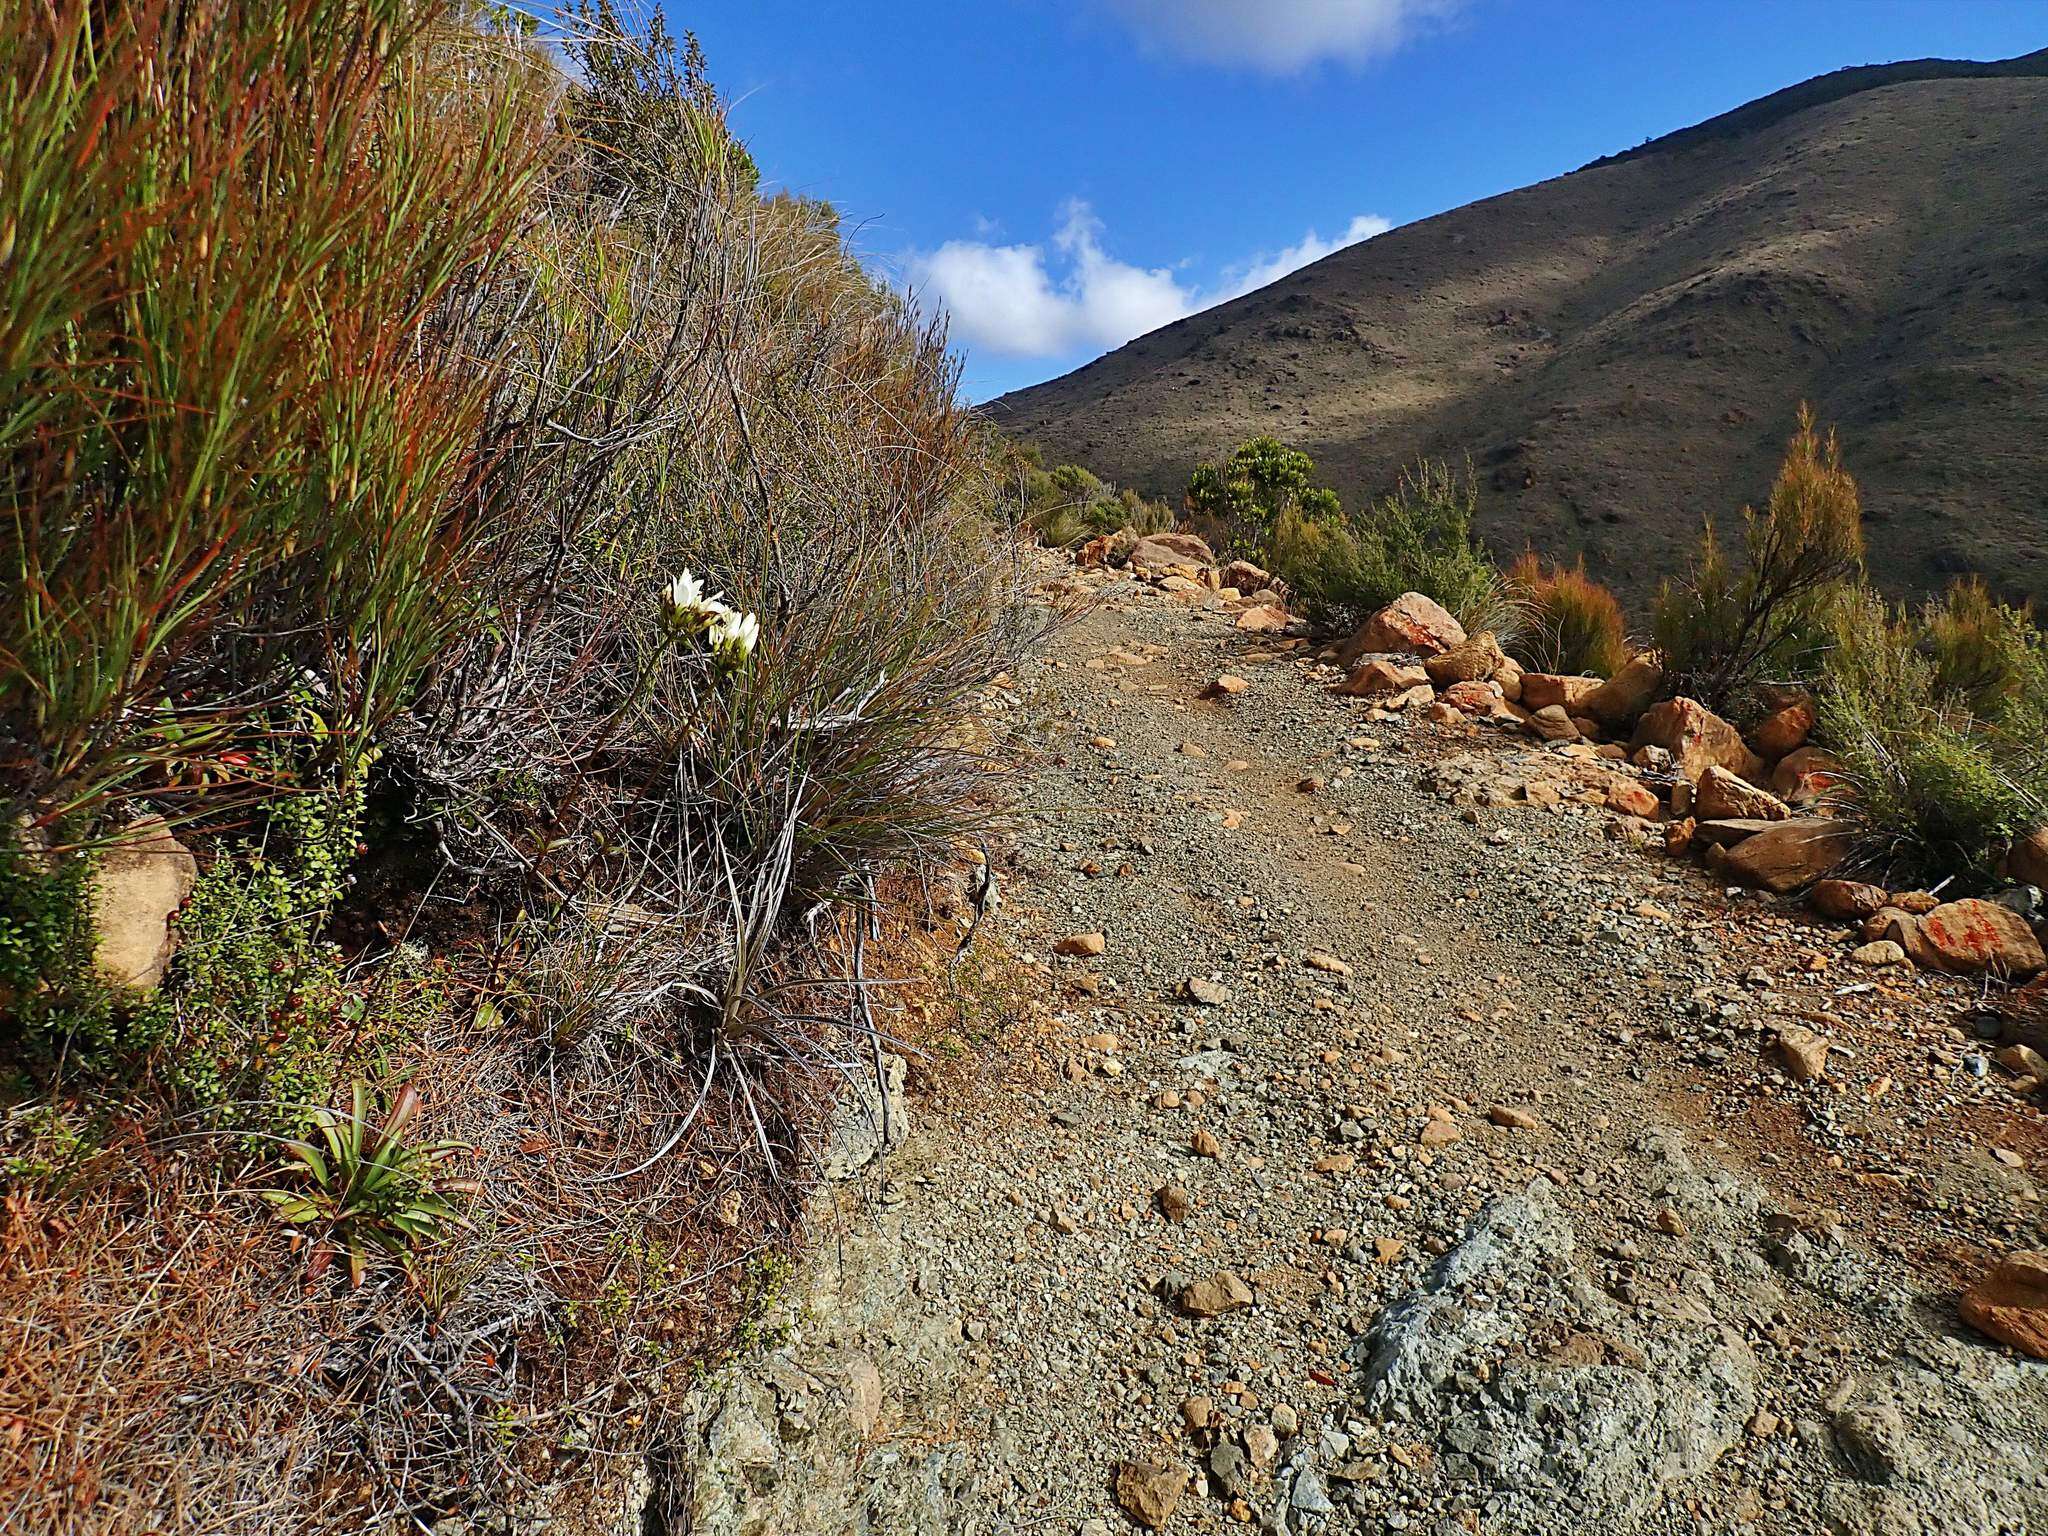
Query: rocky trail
x=1379, y=1163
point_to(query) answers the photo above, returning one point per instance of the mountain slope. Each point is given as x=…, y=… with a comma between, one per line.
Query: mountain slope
x=1619, y=351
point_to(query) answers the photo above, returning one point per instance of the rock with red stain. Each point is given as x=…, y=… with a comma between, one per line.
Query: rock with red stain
x=1410, y=624
x=1474, y=698
x=1804, y=776
x=1972, y=935
x=1785, y=729
x=1633, y=799
x=1697, y=739
x=2011, y=1303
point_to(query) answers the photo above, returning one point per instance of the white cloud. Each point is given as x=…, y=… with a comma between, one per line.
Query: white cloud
x=1023, y=301
x=1279, y=35
x=1005, y=298
x=1263, y=269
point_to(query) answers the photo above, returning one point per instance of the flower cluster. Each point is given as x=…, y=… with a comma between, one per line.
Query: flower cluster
x=729, y=634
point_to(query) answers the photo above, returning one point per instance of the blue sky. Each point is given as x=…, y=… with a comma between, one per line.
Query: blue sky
x=1065, y=174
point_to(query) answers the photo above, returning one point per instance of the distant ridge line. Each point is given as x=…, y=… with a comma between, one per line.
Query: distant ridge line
x=1753, y=116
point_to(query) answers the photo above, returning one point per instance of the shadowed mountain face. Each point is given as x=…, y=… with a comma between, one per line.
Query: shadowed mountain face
x=1620, y=351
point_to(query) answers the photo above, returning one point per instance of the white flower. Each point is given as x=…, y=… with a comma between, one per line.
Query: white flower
x=685, y=607
x=733, y=635
x=685, y=593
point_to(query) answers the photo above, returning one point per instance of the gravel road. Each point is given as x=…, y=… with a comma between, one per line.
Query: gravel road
x=1394, y=1166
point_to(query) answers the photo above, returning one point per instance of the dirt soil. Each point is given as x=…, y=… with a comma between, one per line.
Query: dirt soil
x=1478, y=1107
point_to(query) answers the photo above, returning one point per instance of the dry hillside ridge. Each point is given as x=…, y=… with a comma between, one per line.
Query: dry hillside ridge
x=1619, y=351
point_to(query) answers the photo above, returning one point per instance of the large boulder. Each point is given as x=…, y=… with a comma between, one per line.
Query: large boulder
x=1972, y=935
x=1786, y=855
x=1696, y=738
x=1721, y=794
x=1161, y=552
x=1411, y=623
x=1474, y=660
x=2028, y=861
x=138, y=886
x=1624, y=696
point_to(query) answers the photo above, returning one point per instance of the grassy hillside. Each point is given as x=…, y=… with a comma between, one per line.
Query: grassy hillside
x=1617, y=349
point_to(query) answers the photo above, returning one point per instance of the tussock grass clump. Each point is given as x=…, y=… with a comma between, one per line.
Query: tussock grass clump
x=1571, y=623
x=1940, y=722
x=1724, y=631
x=224, y=492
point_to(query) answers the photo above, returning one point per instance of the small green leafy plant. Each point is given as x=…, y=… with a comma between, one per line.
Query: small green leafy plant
x=365, y=1189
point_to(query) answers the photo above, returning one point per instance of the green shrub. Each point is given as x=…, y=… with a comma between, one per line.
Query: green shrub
x=1723, y=632
x=48, y=992
x=1937, y=721
x=1246, y=497
x=1571, y=623
x=1416, y=539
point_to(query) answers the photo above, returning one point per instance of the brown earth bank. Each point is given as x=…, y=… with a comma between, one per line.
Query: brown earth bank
x=1619, y=351
x=1367, y=1155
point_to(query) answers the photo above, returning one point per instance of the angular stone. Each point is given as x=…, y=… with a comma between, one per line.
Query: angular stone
x=1165, y=551
x=1726, y=831
x=1846, y=900
x=1802, y=1052
x=1789, y=854
x=2027, y=863
x=1245, y=576
x=1721, y=795
x=1540, y=690
x=1224, y=685
x=1551, y=723
x=1784, y=730
x=1411, y=623
x=1972, y=935
x=1263, y=618
x=1696, y=738
x=1149, y=1493
x=138, y=886
x=1804, y=776
x=1879, y=953
x=1080, y=945
x=1473, y=698
x=1373, y=678
x=2011, y=1303
x=1224, y=1291
x=1633, y=799
x=1624, y=696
